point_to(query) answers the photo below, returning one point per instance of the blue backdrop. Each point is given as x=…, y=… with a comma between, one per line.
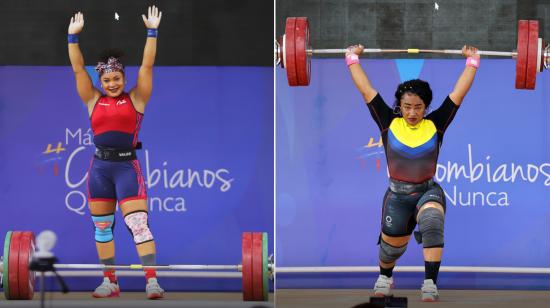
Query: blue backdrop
x=332, y=174
x=207, y=159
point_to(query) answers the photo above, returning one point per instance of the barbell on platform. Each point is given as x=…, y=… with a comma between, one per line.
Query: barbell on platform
x=256, y=267
x=293, y=52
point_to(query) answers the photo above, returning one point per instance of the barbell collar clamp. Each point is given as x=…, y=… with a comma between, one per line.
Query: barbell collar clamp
x=277, y=52
x=547, y=56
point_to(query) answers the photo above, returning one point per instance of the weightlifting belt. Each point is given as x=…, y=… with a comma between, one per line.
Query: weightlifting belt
x=405, y=188
x=115, y=154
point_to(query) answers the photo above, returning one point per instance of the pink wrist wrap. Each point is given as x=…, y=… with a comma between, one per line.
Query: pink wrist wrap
x=473, y=62
x=351, y=58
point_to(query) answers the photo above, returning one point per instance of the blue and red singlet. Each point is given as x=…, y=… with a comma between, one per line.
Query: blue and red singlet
x=115, y=122
x=115, y=125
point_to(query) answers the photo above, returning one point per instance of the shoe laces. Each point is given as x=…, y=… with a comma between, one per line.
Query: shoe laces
x=429, y=286
x=383, y=281
x=152, y=285
x=107, y=284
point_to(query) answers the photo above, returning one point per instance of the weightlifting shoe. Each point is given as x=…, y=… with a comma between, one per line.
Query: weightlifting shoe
x=106, y=289
x=153, y=289
x=429, y=291
x=383, y=286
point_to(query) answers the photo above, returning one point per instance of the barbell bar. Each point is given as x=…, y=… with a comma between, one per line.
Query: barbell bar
x=293, y=52
x=175, y=267
x=411, y=51
x=412, y=269
x=161, y=273
x=256, y=268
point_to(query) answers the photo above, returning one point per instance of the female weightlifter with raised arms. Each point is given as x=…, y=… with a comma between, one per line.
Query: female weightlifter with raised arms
x=115, y=173
x=411, y=141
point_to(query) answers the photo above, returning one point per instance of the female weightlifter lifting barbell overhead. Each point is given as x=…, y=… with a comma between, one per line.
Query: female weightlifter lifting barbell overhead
x=115, y=173
x=411, y=141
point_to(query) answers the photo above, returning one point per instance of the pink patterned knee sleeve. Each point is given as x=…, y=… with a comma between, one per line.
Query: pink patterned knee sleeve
x=137, y=222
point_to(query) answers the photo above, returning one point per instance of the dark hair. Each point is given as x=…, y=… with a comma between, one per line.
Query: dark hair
x=414, y=86
x=111, y=52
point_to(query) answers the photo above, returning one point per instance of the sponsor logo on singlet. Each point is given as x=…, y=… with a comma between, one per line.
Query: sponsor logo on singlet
x=120, y=102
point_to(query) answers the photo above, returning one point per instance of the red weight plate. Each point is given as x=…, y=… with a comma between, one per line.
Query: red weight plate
x=290, y=52
x=301, y=35
x=32, y=274
x=521, y=60
x=248, y=294
x=257, y=267
x=26, y=277
x=308, y=46
x=532, y=55
x=14, y=264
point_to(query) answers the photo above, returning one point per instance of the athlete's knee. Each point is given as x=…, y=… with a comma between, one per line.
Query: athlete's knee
x=104, y=226
x=139, y=227
x=431, y=222
x=389, y=253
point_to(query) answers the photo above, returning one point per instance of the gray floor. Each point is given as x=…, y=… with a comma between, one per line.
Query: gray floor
x=137, y=299
x=321, y=298
x=302, y=298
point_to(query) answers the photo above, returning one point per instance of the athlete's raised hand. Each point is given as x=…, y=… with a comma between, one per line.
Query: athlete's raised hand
x=356, y=49
x=152, y=20
x=77, y=23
